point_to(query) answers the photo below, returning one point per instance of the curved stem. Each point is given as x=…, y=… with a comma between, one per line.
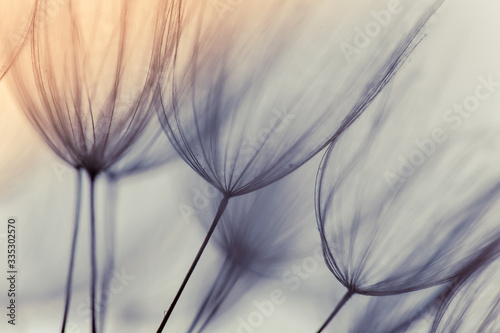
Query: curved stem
x=109, y=264
x=220, y=211
x=69, y=280
x=339, y=306
x=93, y=258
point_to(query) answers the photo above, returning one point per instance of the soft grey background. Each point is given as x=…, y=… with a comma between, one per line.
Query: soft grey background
x=155, y=243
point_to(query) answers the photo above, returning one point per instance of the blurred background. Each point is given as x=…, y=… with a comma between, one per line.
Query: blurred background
x=160, y=212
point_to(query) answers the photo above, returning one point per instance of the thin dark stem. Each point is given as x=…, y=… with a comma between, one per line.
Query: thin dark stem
x=220, y=211
x=69, y=280
x=339, y=306
x=109, y=264
x=93, y=258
